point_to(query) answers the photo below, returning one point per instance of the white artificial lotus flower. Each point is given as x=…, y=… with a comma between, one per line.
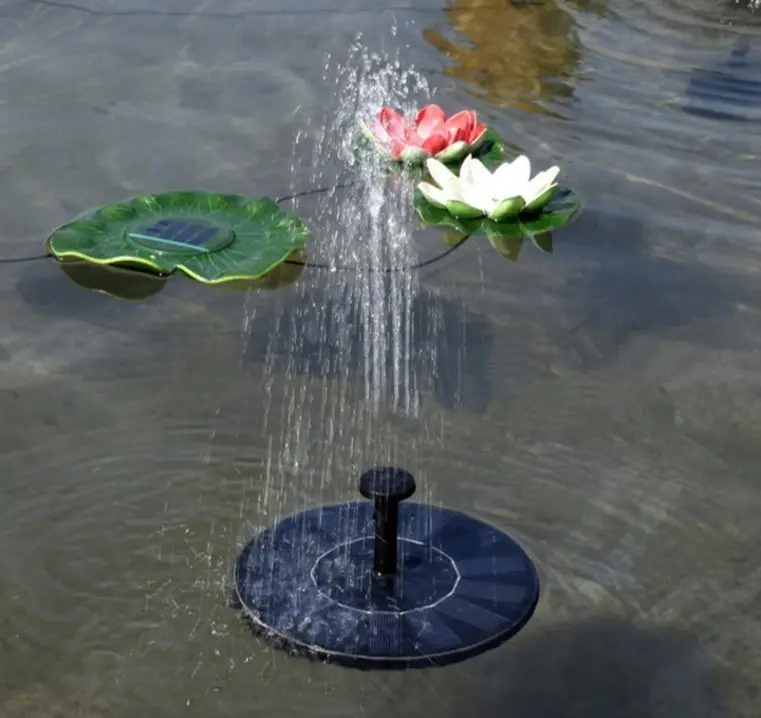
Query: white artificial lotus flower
x=477, y=192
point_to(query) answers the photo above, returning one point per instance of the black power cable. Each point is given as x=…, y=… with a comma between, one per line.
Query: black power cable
x=333, y=267
x=20, y=260
x=307, y=263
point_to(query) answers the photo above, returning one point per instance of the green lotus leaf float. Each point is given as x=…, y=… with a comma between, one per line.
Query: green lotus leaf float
x=434, y=216
x=507, y=237
x=492, y=152
x=477, y=192
x=213, y=238
x=285, y=274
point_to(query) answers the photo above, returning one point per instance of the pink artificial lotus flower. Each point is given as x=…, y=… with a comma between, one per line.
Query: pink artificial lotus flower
x=430, y=134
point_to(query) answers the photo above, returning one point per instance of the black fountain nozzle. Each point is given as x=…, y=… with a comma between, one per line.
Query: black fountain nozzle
x=386, y=486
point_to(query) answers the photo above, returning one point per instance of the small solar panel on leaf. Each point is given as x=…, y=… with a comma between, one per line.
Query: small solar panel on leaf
x=181, y=232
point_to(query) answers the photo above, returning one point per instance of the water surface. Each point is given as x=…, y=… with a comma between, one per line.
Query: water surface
x=600, y=402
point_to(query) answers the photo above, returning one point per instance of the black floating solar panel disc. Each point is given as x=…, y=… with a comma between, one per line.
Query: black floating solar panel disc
x=464, y=587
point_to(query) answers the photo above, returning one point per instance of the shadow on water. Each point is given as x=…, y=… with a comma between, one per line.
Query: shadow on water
x=121, y=299
x=319, y=334
x=44, y=288
x=622, y=288
x=729, y=90
x=513, y=53
x=598, y=668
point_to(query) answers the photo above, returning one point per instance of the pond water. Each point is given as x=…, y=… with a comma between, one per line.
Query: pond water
x=600, y=402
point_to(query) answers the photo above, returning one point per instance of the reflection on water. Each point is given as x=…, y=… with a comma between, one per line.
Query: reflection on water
x=728, y=90
x=595, y=667
x=701, y=18
x=113, y=281
x=60, y=291
x=108, y=295
x=512, y=53
x=321, y=336
x=627, y=291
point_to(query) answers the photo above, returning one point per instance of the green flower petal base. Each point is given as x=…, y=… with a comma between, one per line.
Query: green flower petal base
x=563, y=207
x=213, y=238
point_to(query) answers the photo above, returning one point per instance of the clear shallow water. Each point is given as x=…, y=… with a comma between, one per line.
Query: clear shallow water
x=600, y=402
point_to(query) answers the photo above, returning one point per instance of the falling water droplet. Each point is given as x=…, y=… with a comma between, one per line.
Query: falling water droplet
x=360, y=333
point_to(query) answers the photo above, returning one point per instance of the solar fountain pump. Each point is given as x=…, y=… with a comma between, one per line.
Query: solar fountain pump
x=385, y=583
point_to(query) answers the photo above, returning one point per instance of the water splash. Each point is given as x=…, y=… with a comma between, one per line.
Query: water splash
x=370, y=225
x=352, y=352
x=752, y=5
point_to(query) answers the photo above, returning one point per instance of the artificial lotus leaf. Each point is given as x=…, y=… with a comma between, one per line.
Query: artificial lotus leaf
x=507, y=237
x=538, y=203
x=281, y=276
x=263, y=236
x=492, y=151
x=559, y=211
x=434, y=216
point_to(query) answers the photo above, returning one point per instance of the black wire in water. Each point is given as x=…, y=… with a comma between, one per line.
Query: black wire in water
x=308, y=264
x=385, y=270
x=19, y=260
x=317, y=190
x=332, y=267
